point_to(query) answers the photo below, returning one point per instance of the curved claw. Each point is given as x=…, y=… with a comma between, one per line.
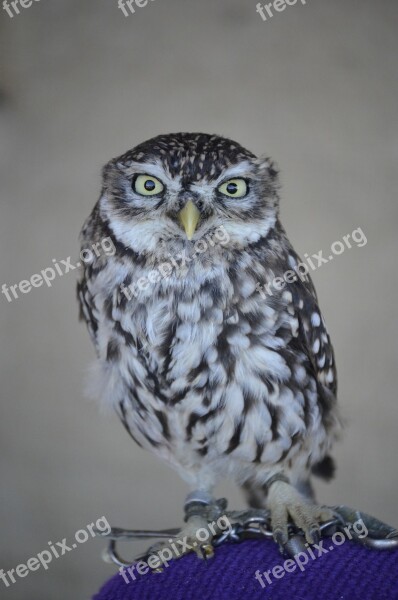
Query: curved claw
x=281, y=537
x=295, y=544
x=314, y=535
x=207, y=551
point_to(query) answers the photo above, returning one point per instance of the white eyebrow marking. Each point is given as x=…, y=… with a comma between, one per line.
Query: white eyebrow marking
x=240, y=170
x=243, y=169
x=158, y=170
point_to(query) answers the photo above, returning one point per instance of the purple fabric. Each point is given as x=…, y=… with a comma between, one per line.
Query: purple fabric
x=349, y=572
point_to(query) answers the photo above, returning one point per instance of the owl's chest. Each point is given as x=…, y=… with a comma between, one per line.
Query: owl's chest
x=214, y=353
x=204, y=335
x=177, y=330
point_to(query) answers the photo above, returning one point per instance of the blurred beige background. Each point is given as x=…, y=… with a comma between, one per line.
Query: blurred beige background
x=316, y=88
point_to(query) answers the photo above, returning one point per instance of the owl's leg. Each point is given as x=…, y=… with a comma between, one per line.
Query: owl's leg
x=287, y=504
x=205, y=518
x=199, y=508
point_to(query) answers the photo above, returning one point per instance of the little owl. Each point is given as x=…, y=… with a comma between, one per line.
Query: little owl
x=205, y=369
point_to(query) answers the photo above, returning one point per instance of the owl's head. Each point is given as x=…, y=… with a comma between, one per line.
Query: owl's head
x=174, y=189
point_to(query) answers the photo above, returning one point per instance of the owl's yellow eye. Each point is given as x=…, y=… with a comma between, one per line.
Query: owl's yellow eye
x=234, y=188
x=146, y=185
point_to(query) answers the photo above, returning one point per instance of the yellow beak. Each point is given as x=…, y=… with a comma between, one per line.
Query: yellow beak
x=189, y=218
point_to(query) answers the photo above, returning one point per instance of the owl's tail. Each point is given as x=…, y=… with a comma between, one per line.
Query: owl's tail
x=325, y=469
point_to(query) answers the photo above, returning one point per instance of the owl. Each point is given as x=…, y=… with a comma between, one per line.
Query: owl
x=210, y=343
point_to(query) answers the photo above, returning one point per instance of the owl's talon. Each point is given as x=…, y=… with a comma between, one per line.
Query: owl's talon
x=207, y=551
x=281, y=536
x=287, y=504
x=313, y=536
x=294, y=546
x=186, y=541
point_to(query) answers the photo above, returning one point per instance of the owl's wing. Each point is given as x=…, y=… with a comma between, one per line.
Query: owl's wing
x=84, y=296
x=313, y=336
x=87, y=309
x=313, y=339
